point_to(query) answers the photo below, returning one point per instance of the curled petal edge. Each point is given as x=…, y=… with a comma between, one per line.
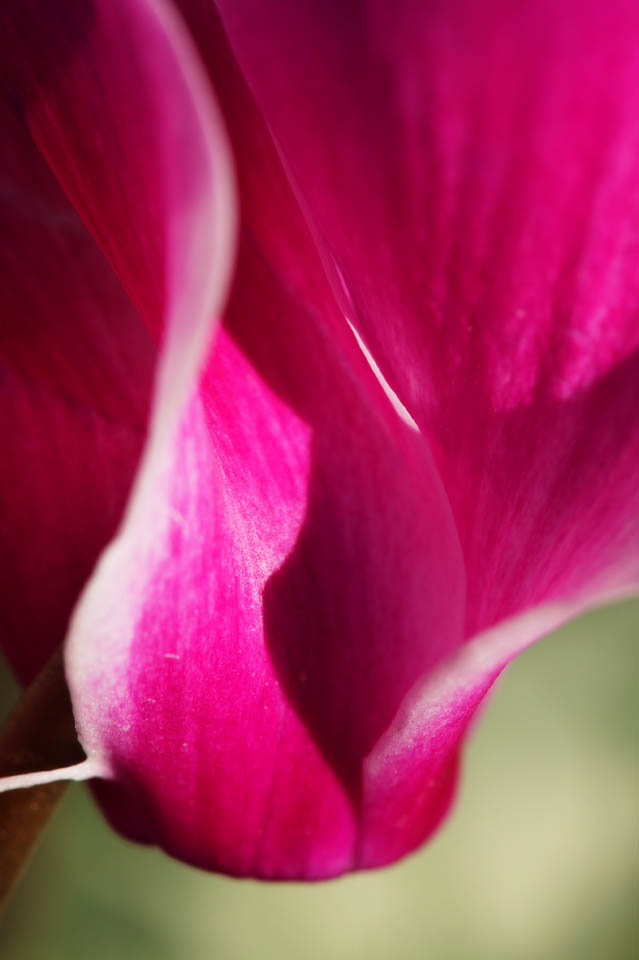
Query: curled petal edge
x=192, y=311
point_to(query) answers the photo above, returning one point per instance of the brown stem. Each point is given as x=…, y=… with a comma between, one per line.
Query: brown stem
x=39, y=735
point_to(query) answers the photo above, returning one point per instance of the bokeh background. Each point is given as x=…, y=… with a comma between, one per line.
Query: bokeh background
x=540, y=858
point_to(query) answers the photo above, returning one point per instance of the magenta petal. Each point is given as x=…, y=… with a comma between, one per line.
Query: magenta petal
x=298, y=590
x=268, y=663
x=75, y=380
x=287, y=571
x=473, y=169
x=114, y=98
x=131, y=137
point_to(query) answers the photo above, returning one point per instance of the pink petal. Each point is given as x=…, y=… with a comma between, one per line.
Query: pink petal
x=268, y=658
x=133, y=137
x=75, y=380
x=473, y=170
x=136, y=145
x=115, y=101
x=530, y=415
x=287, y=571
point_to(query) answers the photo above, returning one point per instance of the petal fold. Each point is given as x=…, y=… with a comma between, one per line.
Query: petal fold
x=473, y=172
x=284, y=576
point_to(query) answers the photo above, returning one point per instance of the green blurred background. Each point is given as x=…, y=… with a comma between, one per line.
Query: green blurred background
x=539, y=859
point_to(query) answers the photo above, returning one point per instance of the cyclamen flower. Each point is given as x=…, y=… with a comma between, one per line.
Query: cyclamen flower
x=312, y=567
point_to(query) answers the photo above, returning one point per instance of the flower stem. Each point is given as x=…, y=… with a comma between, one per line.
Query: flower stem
x=38, y=735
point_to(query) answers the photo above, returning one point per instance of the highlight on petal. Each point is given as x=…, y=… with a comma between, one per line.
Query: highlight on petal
x=472, y=171
x=282, y=579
